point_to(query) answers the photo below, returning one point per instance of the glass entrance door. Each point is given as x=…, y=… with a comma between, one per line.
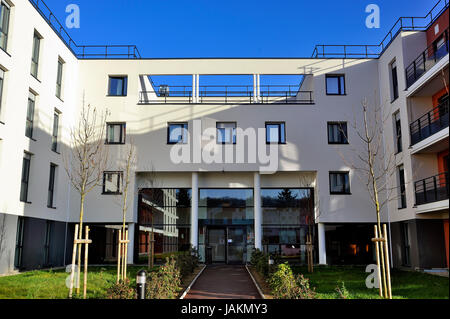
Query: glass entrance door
x=217, y=242
x=236, y=245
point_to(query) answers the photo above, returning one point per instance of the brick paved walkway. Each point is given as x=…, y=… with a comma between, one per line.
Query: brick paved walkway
x=224, y=282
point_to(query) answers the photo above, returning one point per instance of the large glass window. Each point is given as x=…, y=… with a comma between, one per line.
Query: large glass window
x=339, y=183
x=398, y=132
x=59, y=77
x=165, y=215
x=30, y=115
x=226, y=132
x=35, y=54
x=55, y=131
x=177, y=133
x=337, y=133
x=115, y=133
x=19, y=242
x=117, y=86
x=402, y=187
x=394, y=80
x=335, y=84
x=287, y=219
x=26, y=163
x=112, y=182
x=275, y=133
x=4, y=24
x=51, y=186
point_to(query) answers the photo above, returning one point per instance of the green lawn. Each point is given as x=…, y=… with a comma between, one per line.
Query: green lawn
x=48, y=284
x=405, y=284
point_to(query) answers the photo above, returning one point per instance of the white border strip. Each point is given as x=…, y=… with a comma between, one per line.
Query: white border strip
x=192, y=283
x=256, y=284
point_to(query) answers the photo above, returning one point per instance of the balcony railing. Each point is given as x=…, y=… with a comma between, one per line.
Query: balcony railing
x=432, y=189
x=375, y=50
x=229, y=94
x=430, y=123
x=426, y=60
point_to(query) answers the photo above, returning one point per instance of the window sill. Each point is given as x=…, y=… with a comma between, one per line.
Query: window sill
x=107, y=95
x=275, y=143
x=401, y=208
x=31, y=138
x=340, y=193
x=51, y=207
x=108, y=193
x=109, y=143
x=332, y=94
x=59, y=98
x=26, y=202
x=392, y=101
x=56, y=152
x=334, y=143
x=175, y=143
x=3, y=123
x=6, y=52
x=35, y=78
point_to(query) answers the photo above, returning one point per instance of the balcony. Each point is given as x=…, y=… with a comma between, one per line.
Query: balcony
x=432, y=189
x=228, y=94
x=426, y=60
x=430, y=123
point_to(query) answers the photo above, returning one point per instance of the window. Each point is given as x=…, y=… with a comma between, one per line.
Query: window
x=226, y=132
x=339, y=183
x=117, y=86
x=48, y=232
x=56, y=115
x=335, y=84
x=112, y=182
x=115, y=133
x=19, y=242
x=177, y=133
x=30, y=115
x=398, y=132
x=51, y=186
x=394, y=81
x=337, y=133
x=59, y=77
x=26, y=163
x=2, y=77
x=275, y=133
x=35, y=55
x=406, y=260
x=4, y=24
x=402, y=188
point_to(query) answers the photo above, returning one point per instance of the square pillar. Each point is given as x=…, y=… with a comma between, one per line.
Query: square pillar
x=322, y=245
x=194, y=211
x=130, y=251
x=257, y=210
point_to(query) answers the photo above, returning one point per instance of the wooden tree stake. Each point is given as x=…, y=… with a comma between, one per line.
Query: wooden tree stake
x=86, y=248
x=378, y=259
x=388, y=270
x=74, y=253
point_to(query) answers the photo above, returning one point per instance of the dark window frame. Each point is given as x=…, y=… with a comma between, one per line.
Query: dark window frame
x=35, y=54
x=406, y=245
x=2, y=81
x=345, y=134
x=122, y=136
x=47, y=242
x=18, y=254
x=59, y=78
x=233, y=134
x=4, y=29
x=124, y=78
x=25, y=179
x=29, y=126
x=398, y=132
x=394, y=80
x=281, y=132
x=51, y=186
x=341, y=91
x=55, y=131
x=344, y=191
x=402, y=186
x=119, y=183
x=184, y=129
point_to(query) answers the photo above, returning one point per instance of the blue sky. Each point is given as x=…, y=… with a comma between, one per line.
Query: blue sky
x=232, y=28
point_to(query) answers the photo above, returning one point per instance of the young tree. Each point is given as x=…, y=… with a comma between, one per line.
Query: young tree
x=374, y=164
x=128, y=168
x=85, y=160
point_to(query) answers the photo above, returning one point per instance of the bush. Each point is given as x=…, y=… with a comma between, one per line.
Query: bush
x=343, y=292
x=260, y=261
x=121, y=290
x=164, y=283
x=285, y=285
x=187, y=262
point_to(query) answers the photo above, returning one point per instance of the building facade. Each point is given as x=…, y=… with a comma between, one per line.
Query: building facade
x=232, y=154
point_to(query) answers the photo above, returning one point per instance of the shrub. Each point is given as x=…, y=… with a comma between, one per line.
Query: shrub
x=121, y=290
x=285, y=285
x=260, y=261
x=164, y=283
x=187, y=262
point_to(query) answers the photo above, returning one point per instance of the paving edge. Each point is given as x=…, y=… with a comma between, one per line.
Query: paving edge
x=256, y=284
x=192, y=283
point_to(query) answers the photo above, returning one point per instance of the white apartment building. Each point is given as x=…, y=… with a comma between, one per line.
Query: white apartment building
x=225, y=207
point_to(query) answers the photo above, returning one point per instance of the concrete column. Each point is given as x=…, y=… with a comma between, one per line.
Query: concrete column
x=130, y=251
x=258, y=87
x=257, y=210
x=194, y=210
x=255, y=93
x=197, y=90
x=322, y=246
x=194, y=86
